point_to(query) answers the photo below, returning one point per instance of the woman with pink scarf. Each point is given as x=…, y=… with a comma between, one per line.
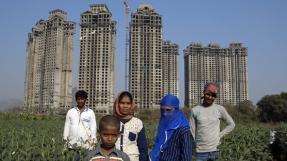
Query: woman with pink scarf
x=132, y=139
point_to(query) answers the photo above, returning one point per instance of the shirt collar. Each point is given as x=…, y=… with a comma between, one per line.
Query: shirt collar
x=98, y=151
x=85, y=108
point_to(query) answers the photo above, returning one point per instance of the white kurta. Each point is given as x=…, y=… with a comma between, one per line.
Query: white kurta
x=77, y=132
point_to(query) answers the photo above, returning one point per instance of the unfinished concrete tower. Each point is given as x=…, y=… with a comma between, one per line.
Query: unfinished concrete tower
x=145, y=60
x=50, y=49
x=169, y=66
x=225, y=66
x=97, y=52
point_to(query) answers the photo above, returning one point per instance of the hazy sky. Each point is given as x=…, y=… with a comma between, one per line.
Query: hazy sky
x=261, y=25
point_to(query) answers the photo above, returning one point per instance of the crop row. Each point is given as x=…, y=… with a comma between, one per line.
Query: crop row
x=41, y=139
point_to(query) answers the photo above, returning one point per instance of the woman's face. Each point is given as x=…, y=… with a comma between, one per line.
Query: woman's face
x=167, y=108
x=167, y=111
x=125, y=105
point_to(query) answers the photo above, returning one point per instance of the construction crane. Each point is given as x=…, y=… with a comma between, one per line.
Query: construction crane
x=127, y=11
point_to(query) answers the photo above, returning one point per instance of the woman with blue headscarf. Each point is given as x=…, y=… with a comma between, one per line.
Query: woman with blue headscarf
x=174, y=140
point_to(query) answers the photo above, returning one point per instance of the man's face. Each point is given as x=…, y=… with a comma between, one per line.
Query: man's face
x=81, y=101
x=125, y=105
x=109, y=136
x=208, y=98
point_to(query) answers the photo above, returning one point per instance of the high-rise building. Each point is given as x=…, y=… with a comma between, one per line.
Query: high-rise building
x=97, y=52
x=48, y=79
x=169, y=66
x=225, y=66
x=145, y=61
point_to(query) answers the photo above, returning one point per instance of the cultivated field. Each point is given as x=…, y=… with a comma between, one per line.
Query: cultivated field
x=29, y=137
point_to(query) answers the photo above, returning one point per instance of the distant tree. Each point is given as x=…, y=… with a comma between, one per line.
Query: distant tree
x=273, y=108
x=243, y=112
x=246, y=107
x=284, y=95
x=232, y=111
x=247, y=110
x=16, y=109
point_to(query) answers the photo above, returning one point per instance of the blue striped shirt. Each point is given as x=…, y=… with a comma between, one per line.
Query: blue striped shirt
x=179, y=146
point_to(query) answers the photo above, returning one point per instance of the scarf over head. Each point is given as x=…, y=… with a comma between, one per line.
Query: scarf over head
x=169, y=122
x=211, y=88
x=117, y=112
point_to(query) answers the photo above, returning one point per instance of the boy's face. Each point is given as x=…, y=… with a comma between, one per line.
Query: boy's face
x=125, y=105
x=109, y=136
x=81, y=101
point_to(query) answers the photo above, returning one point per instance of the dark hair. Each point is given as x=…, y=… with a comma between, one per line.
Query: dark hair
x=125, y=93
x=81, y=93
x=109, y=120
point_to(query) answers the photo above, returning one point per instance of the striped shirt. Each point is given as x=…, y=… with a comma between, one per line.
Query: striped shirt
x=115, y=155
x=179, y=146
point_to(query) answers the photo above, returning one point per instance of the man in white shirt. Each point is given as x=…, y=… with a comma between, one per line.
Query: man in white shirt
x=80, y=126
x=205, y=124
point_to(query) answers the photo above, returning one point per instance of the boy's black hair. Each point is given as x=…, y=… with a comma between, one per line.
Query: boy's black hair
x=81, y=93
x=126, y=93
x=109, y=120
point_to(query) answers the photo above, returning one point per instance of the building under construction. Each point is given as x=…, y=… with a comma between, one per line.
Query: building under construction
x=97, y=52
x=169, y=67
x=48, y=77
x=145, y=60
x=225, y=66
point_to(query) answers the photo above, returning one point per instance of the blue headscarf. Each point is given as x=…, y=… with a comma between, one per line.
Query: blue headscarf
x=169, y=122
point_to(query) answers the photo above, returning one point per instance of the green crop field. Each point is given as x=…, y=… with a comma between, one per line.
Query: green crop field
x=29, y=137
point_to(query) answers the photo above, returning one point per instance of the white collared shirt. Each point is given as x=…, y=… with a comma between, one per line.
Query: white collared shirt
x=80, y=127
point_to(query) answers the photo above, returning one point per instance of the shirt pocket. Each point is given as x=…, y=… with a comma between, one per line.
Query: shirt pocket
x=86, y=119
x=132, y=136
